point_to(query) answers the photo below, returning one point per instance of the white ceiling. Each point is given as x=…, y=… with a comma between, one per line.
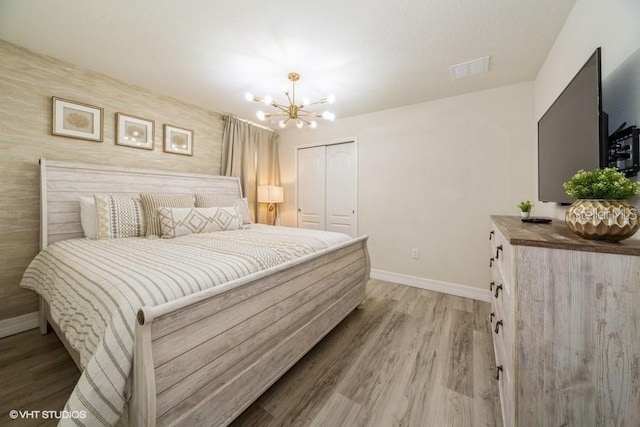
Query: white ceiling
x=372, y=54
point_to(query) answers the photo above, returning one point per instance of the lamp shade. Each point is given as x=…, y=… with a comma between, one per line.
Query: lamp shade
x=270, y=194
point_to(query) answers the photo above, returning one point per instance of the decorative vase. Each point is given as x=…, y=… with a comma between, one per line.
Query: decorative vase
x=611, y=220
x=524, y=214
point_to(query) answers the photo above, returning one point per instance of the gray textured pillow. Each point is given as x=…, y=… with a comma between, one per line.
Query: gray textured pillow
x=152, y=201
x=119, y=216
x=177, y=222
x=214, y=200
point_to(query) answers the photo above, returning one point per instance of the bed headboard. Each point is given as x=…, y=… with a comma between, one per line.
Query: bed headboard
x=63, y=183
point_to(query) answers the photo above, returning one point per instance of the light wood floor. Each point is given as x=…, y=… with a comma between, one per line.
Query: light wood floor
x=407, y=357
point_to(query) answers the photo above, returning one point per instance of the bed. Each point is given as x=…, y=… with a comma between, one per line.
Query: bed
x=201, y=358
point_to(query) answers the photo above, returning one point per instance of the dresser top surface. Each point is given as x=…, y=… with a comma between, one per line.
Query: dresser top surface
x=557, y=236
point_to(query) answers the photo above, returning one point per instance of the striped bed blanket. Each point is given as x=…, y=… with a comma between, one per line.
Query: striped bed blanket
x=95, y=287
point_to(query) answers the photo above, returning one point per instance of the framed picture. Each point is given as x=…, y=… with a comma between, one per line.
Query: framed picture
x=77, y=120
x=132, y=131
x=178, y=140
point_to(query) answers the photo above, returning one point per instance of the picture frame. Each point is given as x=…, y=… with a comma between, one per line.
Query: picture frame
x=178, y=140
x=133, y=131
x=75, y=119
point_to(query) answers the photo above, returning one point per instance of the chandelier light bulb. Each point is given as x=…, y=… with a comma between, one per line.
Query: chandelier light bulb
x=331, y=99
x=329, y=116
x=282, y=124
x=313, y=124
x=299, y=124
x=306, y=102
x=261, y=115
x=248, y=96
x=267, y=100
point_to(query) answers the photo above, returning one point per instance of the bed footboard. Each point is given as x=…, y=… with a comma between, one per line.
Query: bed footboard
x=202, y=359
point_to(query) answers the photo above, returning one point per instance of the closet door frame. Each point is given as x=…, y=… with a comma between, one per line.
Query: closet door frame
x=334, y=141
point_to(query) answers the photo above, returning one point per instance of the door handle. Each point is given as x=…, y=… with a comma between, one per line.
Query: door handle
x=299, y=210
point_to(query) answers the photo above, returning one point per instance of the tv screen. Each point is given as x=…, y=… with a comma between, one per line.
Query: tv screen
x=570, y=133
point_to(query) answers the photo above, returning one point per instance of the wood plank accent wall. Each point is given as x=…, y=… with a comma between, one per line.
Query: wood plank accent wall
x=27, y=82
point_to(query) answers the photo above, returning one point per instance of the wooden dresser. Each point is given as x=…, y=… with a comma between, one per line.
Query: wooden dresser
x=566, y=321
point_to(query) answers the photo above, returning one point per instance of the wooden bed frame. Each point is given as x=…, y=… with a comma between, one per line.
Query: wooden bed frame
x=202, y=359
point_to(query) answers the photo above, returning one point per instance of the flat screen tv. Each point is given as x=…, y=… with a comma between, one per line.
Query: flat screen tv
x=572, y=134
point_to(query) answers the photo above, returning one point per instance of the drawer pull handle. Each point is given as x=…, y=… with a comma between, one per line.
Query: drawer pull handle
x=491, y=233
x=498, y=249
x=498, y=370
x=498, y=289
x=491, y=261
x=498, y=324
x=491, y=285
x=491, y=316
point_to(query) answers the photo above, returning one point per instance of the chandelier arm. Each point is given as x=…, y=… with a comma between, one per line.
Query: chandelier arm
x=310, y=113
x=289, y=97
x=282, y=108
x=322, y=101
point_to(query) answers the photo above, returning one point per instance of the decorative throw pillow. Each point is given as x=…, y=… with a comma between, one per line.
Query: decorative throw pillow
x=151, y=202
x=243, y=208
x=118, y=216
x=177, y=222
x=213, y=200
x=89, y=217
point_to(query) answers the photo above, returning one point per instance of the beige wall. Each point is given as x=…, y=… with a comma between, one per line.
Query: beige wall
x=612, y=25
x=27, y=82
x=429, y=177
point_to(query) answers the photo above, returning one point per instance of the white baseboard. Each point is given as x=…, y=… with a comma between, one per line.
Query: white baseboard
x=15, y=325
x=432, y=285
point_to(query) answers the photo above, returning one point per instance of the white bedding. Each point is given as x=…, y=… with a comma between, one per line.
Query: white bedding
x=95, y=288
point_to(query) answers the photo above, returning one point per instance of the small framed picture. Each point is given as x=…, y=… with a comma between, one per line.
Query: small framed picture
x=76, y=120
x=132, y=131
x=178, y=140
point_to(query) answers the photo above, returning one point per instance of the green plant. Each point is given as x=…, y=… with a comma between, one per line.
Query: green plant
x=525, y=206
x=604, y=184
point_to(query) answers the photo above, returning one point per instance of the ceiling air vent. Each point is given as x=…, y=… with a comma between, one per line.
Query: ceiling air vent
x=470, y=69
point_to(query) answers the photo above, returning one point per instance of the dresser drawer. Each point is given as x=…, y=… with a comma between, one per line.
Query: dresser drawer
x=501, y=251
x=502, y=374
x=504, y=336
x=500, y=292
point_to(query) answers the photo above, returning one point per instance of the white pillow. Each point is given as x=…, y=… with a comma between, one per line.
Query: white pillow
x=214, y=201
x=89, y=217
x=177, y=222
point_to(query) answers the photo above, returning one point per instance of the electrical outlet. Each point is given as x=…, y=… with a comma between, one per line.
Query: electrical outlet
x=415, y=253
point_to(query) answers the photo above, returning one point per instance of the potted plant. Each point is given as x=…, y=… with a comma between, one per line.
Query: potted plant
x=525, y=208
x=600, y=211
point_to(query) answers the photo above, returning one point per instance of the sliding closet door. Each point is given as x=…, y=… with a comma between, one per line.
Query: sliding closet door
x=311, y=188
x=327, y=188
x=341, y=191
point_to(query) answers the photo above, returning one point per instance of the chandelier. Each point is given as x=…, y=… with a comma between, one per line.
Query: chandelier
x=297, y=113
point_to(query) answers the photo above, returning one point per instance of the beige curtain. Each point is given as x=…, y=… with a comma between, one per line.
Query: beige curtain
x=250, y=153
